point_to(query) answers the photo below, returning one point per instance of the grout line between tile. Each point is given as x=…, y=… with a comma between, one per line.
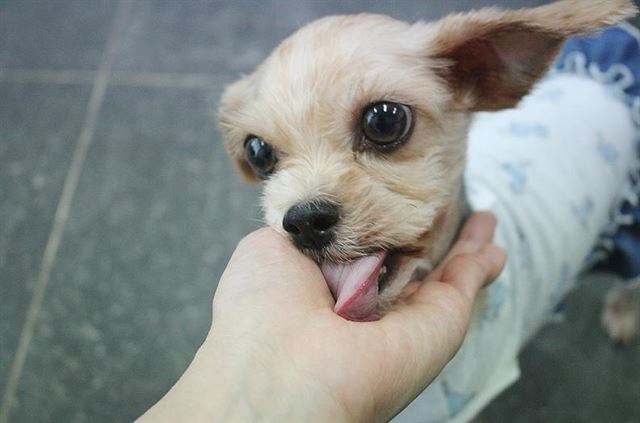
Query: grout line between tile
x=64, y=205
x=48, y=76
x=168, y=79
x=116, y=78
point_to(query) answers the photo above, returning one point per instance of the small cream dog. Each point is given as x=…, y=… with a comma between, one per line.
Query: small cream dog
x=357, y=126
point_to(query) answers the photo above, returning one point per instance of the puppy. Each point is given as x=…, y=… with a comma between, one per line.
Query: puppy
x=357, y=127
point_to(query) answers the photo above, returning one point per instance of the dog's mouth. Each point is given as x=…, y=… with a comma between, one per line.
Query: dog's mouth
x=356, y=285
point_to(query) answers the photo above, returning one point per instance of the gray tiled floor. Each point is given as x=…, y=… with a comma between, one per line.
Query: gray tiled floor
x=33, y=162
x=53, y=34
x=149, y=234
x=158, y=210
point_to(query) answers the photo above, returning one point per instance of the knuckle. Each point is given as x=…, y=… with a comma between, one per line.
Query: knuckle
x=472, y=263
x=466, y=246
x=490, y=217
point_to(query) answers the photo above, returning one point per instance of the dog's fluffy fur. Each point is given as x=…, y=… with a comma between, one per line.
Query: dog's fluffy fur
x=307, y=98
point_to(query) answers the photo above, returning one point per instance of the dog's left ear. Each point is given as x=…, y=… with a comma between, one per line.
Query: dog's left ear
x=492, y=58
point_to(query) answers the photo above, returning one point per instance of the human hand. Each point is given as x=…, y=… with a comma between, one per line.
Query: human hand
x=277, y=351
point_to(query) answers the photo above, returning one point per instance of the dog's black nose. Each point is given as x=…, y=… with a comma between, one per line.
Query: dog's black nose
x=311, y=224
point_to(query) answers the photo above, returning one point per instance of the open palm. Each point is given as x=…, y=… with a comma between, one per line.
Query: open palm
x=277, y=351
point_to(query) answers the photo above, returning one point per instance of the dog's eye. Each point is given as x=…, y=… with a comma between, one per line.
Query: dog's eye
x=260, y=155
x=386, y=125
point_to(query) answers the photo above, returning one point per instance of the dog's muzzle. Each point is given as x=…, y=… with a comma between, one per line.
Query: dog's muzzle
x=311, y=224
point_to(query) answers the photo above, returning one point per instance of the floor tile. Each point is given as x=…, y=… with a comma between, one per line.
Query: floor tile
x=210, y=36
x=154, y=220
x=39, y=126
x=203, y=36
x=60, y=34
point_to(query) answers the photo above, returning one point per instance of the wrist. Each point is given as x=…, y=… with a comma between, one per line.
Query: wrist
x=229, y=380
x=262, y=382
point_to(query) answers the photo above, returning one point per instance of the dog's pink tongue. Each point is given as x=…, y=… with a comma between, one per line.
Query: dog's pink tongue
x=355, y=287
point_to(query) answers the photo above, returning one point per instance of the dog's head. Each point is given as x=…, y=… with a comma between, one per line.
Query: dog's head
x=357, y=127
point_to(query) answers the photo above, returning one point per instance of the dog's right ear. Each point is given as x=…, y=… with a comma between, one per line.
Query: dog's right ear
x=230, y=114
x=492, y=58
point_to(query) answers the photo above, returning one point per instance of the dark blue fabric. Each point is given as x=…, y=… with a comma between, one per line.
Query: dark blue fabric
x=613, y=46
x=613, y=57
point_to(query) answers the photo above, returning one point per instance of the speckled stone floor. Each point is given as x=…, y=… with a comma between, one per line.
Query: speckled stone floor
x=119, y=210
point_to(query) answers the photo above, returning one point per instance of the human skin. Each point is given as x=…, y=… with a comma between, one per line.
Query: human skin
x=276, y=351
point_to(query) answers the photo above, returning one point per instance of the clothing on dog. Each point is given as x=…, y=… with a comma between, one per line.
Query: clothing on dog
x=613, y=58
x=559, y=172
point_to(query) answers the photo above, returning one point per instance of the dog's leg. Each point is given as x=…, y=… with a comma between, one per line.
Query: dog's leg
x=621, y=313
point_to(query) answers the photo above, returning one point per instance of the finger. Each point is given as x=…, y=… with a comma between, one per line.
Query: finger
x=498, y=256
x=431, y=324
x=477, y=232
x=470, y=272
x=479, y=227
x=429, y=330
x=494, y=255
x=410, y=289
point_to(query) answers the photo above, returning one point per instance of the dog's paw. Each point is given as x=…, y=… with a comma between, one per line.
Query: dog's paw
x=621, y=313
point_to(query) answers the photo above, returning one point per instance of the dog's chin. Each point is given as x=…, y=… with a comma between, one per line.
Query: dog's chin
x=366, y=286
